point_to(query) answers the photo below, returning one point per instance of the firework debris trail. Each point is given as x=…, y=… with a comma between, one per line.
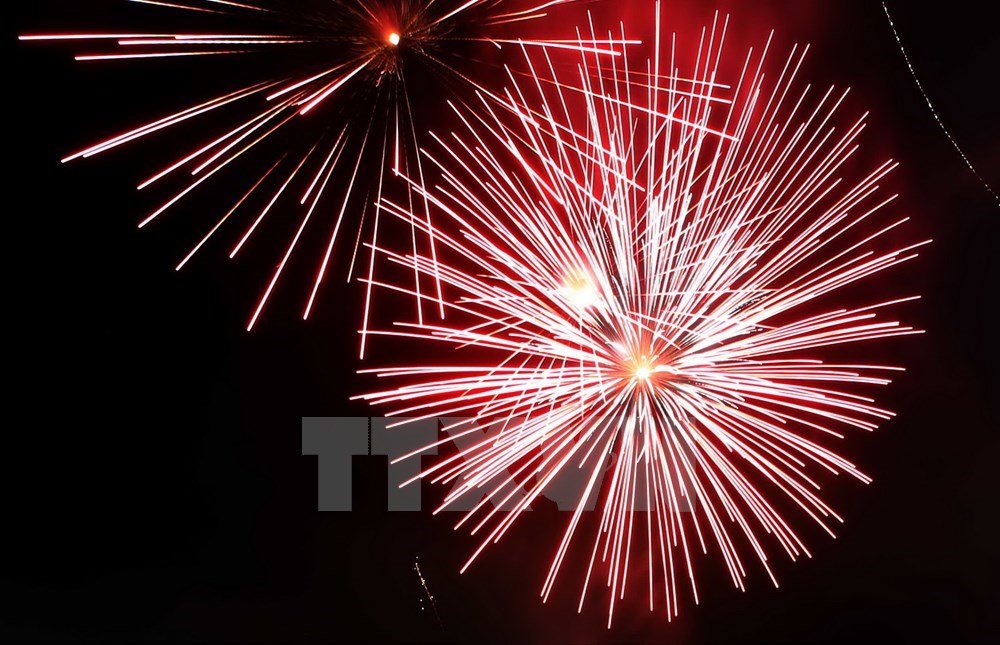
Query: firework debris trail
x=427, y=592
x=934, y=113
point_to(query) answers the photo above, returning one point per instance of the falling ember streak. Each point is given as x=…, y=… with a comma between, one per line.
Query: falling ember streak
x=348, y=60
x=641, y=279
x=427, y=592
x=930, y=106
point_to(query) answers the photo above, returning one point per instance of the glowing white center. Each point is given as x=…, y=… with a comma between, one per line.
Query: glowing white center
x=580, y=293
x=394, y=39
x=643, y=368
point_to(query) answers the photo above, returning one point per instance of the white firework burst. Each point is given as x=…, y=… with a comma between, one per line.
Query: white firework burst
x=644, y=278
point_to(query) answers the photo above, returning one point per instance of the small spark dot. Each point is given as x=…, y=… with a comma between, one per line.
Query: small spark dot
x=394, y=39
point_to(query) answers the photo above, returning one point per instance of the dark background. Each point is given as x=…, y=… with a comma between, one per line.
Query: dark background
x=156, y=489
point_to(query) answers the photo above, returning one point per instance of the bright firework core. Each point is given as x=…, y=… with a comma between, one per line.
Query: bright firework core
x=394, y=39
x=580, y=292
x=644, y=368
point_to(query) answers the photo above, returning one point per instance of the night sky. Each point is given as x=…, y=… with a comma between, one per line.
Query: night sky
x=156, y=488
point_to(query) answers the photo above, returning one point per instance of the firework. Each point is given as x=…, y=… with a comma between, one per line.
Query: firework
x=348, y=60
x=645, y=287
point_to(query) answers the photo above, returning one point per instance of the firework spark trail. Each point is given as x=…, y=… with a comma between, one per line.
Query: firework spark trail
x=641, y=281
x=350, y=51
x=930, y=106
x=427, y=592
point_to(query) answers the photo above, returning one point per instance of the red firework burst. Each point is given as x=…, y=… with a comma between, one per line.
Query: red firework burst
x=644, y=280
x=348, y=60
